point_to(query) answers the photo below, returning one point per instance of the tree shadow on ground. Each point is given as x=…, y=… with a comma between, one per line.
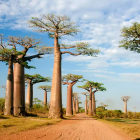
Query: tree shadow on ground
x=2, y=117
x=137, y=139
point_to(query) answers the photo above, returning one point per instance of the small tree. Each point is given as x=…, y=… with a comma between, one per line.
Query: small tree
x=57, y=26
x=33, y=79
x=104, y=105
x=135, y=112
x=2, y=102
x=85, y=93
x=125, y=99
x=131, y=37
x=46, y=88
x=70, y=80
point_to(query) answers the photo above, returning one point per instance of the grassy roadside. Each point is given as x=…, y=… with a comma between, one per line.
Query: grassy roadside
x=129, y=126
x=10, y=124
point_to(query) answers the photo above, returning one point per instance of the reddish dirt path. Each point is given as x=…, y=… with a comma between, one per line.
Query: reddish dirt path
x=79, y=127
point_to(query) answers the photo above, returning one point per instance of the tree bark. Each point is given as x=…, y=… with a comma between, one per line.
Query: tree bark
x=56, y=96
x=74, y=108
x=45, y=98
x=93, y=104
x=9, y=90
x=125, y=108
x=90, y=103
x=19, y=90
x=86, y=105
x=69, y=101
x=29, y=95
x=77, y=106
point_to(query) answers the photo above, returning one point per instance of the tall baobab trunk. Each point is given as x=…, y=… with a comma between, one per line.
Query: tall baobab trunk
x=125, y=108
x=77, y=106
x=29, y=94
x=74, y=106
x=56, y=96
x=93, y=104
x=69, y=101
x=90, y=103
x=9, y=90
x=86, y=105
x=19, y=90
x=45, y=98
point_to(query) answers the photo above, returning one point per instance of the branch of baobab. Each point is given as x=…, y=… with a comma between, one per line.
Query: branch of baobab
x=33, y=56
x=70, y=53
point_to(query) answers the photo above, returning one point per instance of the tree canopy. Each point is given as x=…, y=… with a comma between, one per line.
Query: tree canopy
x=131, y=37
x=36, y=78
x=71, y=78
x=56, y=26
x=45, y=87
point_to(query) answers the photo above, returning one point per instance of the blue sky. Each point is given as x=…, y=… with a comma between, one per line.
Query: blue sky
x=100, y=23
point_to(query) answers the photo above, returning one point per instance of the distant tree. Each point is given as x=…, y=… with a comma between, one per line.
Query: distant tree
x=85, y=93
x=104, y=105
x=125, y=99
x=77, y=104
x=57, y=26
x=70, y=80
x=33, y=79
x=135, y=112
x=75, y=95
x=89, y=86
x=46, y=88
x=131, y=37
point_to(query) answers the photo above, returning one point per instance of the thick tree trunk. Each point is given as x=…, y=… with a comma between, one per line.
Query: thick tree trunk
x=69, y=101
x=29, y=95
x=9, y=91
x=125, y=108
x=77, y=106
x=86, y=105
x=93, y=104
x=45, y=98
x=74, y=106
x=90, y=103
x=56, y=96
x=19, y=90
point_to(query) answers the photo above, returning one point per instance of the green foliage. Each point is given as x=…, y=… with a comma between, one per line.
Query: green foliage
x=64, y=110
x=45, y=87
x=71, y=77
x=36, y=78
x=131, y=37
x=81, y=110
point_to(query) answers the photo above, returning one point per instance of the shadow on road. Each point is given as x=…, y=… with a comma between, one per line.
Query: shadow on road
x=137, y=139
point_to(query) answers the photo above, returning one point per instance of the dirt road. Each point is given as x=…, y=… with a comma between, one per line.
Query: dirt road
x=79, y=127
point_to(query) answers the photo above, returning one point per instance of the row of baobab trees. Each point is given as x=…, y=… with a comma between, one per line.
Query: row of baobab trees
x=55, y=27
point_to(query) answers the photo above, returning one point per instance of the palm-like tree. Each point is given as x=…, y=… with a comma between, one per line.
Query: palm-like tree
x=125, y=99
x=46, y=88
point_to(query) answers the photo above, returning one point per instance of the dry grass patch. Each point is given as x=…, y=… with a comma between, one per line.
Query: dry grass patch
x=10, y=124
x=130, y=126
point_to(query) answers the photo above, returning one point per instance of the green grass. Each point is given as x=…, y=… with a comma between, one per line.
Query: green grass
x=129, y=126
x=10, y=124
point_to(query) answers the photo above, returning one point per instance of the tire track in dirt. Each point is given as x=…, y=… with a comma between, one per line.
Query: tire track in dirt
x=79, y=127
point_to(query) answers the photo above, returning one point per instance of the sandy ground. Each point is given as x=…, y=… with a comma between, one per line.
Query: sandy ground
x=79, y=127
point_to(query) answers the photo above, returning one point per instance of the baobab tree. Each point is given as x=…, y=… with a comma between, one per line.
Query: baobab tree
x=33, y=79
x=46, y=88
x=57, y=26
x=77, y=104
x=125, y=99
x=135, y=112
x=85, y=93
x=9, y=56
x=97, y=87
x=131, y=37
x=19, y=85
x=89, y=86
x=70, y=80
x=75, y=95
